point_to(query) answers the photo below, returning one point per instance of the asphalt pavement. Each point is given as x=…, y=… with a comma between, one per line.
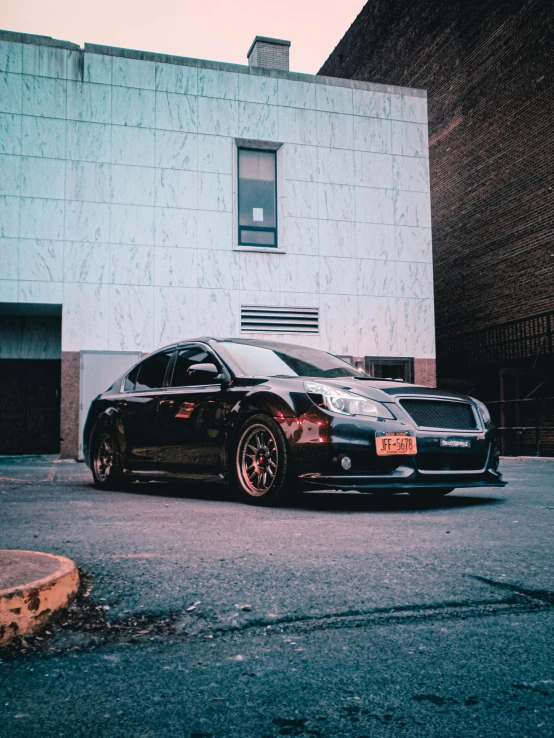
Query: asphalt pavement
x=342, y=615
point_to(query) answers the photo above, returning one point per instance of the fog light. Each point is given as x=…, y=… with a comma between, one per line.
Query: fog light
x=346, y=463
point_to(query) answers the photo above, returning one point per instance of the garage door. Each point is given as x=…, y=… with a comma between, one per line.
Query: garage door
x=30, y=408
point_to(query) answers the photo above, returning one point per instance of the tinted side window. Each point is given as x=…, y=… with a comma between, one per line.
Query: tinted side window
x=131, y=380
x=185, y=359
x=151, y=372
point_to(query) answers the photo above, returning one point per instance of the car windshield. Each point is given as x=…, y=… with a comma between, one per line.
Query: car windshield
x=288, y=361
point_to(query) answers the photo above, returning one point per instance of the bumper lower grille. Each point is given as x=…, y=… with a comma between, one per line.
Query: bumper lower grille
x=451, y=462
x=441, y=414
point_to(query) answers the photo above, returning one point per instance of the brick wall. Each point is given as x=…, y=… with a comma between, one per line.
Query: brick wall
x=487, y=67
x=270, y=55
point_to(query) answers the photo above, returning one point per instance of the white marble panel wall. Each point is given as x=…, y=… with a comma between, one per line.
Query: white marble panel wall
x=49, y=293
x=42, y=177
x=85, y=316
x=257, y=121
x=41, y=137
x=303, y=236
x=116, y=198
x=218, y=312
x=10, y=134
x=378, y=325
x=258, y=89
x=259, y=272
x=11, y=57
x=415, y=323
x=131, y=107
x=49, y=61
x=176, y=112
x=10, y=175
x=9, y=248
x=41, y=260
x=175, y=314
x=97, y=68
x=86, y=262
x=131, y=317
x=89, y=102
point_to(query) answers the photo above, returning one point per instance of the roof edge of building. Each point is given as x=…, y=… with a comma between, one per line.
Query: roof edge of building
x=28, y=38
x=32, y=38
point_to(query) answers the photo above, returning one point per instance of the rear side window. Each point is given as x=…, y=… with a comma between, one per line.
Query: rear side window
x=131, y=380
x=149, y=374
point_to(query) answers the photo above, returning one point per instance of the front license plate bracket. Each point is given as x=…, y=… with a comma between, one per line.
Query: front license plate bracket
x=395, y=443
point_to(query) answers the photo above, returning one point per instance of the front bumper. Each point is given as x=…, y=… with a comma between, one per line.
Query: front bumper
x=319, y=441
x=402, y=478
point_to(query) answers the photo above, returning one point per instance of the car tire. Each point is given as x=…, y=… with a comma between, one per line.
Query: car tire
x=262, y=467
x=107, y=469
x=430, y=493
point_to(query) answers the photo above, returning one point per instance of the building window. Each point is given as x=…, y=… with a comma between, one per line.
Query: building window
x=257, y=197
x=390, y=368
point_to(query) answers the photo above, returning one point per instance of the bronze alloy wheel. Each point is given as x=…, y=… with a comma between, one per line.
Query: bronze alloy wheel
x=106, y=462
x=104, y=458
x=257, y=460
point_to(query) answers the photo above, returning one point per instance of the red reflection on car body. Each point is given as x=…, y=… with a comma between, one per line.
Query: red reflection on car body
x=186, y=410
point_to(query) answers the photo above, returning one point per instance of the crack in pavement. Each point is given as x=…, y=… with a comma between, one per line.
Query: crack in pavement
x=542, y=595
x=85, y=625
x=387, y=616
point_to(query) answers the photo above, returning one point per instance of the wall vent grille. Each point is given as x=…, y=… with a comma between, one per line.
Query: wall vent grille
x=262, y=319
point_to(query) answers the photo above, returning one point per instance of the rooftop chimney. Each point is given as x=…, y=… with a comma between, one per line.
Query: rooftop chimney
x=271, y=53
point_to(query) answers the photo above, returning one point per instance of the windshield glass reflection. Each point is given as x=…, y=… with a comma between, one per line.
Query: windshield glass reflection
x=288, y=361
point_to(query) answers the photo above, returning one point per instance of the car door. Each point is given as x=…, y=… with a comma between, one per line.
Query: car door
x=191, y=415
x=138, y=407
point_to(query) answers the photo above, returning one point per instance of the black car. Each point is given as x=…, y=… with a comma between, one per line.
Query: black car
x=276, y=418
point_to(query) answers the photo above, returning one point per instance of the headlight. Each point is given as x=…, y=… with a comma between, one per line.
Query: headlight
x=346, y=403
x=483, y=409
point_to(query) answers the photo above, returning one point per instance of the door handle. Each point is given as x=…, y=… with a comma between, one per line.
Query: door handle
x=167, y=402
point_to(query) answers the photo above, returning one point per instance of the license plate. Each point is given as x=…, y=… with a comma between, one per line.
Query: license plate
x=395, y=444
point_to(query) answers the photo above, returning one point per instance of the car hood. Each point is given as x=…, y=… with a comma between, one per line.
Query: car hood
x=386, y=390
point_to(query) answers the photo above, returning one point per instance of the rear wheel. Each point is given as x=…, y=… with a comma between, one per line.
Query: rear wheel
x=262, y=467
x=430, y=493
x=107, y=470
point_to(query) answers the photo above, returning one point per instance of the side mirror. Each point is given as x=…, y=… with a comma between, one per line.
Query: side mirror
x=210, y=371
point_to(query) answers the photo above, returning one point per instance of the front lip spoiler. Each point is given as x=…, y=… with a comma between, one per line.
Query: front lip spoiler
x=490, y=479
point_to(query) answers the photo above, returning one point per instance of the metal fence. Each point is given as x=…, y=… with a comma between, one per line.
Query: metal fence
x=527, y=337
x=525, y=426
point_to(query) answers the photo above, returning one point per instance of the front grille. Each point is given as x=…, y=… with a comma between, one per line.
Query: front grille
x=450, y=462
x=441, y=414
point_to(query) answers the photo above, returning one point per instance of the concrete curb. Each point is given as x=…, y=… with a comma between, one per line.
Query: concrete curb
x=29, y=605
x=527, y=458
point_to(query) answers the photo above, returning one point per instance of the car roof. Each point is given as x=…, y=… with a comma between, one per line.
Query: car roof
x=263, y=343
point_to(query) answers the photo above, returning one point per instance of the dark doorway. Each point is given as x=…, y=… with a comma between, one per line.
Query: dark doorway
x=30, y=410
x=30, y=378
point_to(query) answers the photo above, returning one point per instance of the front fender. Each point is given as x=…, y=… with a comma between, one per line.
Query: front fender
x=109, y=417
x=263, y=400
x=291, y=405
